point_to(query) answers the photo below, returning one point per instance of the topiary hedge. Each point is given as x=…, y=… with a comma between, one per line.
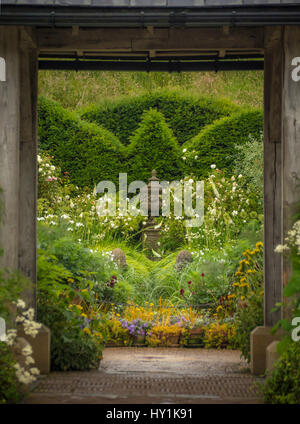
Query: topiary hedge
x=88, y=152
x=185, y=114
x=216, y=143
x=153, y=146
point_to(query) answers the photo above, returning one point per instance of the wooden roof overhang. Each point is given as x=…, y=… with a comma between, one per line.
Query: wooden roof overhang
x=150, y=35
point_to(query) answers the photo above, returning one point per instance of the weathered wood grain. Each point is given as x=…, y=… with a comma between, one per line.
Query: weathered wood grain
x=9, y=146
x=272, y=172
x=291, y=135
x=28, y=168
x=135, y=39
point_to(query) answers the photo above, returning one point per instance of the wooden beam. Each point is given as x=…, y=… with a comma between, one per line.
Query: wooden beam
x=272, y=172
x=9, y=146
x=28, y=169
x=291, y=135
x=141, y=39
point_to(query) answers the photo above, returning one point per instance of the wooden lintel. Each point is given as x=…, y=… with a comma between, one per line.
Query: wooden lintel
x=151, y=30
x=140, y=39
x=226, y=29
x=222, y=53
x=75, y=30
x=29, y=38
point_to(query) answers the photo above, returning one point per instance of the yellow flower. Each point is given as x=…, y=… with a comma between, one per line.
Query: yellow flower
x=87, y=330
x=84, y=290
x=261, y=293
x=84, y=315
x=79, y=307
x=70, y=280
x=259, y=244
x=219, y=308
x=231, y=296
x=236, y=285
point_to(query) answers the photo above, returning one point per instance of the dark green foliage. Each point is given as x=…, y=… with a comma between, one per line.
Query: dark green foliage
x=71, y=348
x=79, y=352
x=216, y=143
x=10, y=388
x=88, y=152
x=185, y=114
x=283, y=385
x=153, y=146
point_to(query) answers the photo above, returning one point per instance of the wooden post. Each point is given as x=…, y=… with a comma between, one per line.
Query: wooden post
x=272, y=172
x=9, y=146
x=261, y=337
x=28, y=163
x=291, y=134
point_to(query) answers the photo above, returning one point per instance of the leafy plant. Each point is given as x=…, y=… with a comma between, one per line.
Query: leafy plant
x=10, y=388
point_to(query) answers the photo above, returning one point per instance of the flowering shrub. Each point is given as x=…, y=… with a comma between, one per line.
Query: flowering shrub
x=283, y=384
x=248, y=293
x=73, y=346
x=63, y=206
x=17, y=368
x=220, y=336
x=137, y=327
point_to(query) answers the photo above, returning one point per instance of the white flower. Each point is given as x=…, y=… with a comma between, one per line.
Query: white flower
x=196, y=157
x=34, y=371
x=213, y=166
x=240, y=176
x=21, y=304
x=27, y=350
x=29, y=360
x=52, y=167
x=184, y=150
x=280, y=248
x=183, y=158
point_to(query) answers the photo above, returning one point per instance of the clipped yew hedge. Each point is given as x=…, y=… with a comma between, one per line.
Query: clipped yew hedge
x=216, y=143
x=153, y=146
x=87, y=151
x=185, y=114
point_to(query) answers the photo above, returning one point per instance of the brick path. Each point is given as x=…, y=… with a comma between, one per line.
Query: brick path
x=153, y=375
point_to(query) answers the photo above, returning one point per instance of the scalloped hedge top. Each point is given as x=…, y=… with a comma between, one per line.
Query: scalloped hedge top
x=175, y=134
x=185, y=114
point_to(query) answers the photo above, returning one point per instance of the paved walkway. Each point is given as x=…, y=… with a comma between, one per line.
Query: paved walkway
x=153, y=375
